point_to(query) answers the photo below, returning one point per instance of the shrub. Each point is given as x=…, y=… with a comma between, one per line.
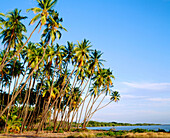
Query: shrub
x=99, y=134
x=161, y=130
x=139, y=130
x=49, y=128
x=61, y=131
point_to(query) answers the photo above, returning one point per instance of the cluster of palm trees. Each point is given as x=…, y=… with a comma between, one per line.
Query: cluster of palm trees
x=47, y=82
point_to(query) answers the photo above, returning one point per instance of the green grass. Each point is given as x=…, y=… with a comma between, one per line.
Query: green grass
x=111, y=133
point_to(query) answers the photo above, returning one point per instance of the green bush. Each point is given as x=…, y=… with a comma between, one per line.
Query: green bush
x=161, y=130
x=61, y=131
x=140, y=130
x=111, y=133
x=99, y=134
x=49, y=128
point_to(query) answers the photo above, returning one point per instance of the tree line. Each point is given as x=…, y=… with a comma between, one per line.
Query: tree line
x=99, y=124
x=46, y=83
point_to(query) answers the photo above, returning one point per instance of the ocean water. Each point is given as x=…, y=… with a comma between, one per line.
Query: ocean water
x=156, y=127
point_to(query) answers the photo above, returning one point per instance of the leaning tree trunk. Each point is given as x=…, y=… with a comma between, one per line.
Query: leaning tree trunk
x=24, y=84
x=27, y=106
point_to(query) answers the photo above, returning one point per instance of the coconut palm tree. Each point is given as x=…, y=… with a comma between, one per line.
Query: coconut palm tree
x=52, y=30
x=44, y=12
x=44, y=8
x=82, y=52
x=95, y=62
x=12, y=34
x=102, y=84
x=69, y=52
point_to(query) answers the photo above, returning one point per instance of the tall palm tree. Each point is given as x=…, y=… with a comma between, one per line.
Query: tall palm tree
x=69, y=52
x=52, y=30
x=44, y=11
x=82, y=52
x=12, y=34
x=95, y=60
x=115, y=96
x=102, y=84
x=44, y=8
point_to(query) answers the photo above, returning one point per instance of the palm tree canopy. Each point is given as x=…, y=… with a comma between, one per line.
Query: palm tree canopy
x=115, y=96
x=52, y=30
x=82, y=51
x=13, y=29
x=95, y=60
x=44, y=8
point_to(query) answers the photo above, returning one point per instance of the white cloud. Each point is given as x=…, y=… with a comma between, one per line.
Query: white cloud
x=132, y=96
x=149, y=86
x=159, y=99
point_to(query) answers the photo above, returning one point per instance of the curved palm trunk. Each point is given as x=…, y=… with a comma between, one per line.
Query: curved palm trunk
x=86, y=112
x=73, y=86
x=24, y=83
x=87, y=116
x=76, y=110
x=83, y=102
x=33, y=112
x=47, y=106
x=15, y=85
x=96, y=111
x=27, y=105
x=61, y=91
x=5, y=128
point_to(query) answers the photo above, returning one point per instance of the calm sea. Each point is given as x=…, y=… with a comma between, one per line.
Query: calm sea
x=156, y=127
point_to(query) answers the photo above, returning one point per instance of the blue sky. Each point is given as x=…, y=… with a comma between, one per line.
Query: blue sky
x=135, y=38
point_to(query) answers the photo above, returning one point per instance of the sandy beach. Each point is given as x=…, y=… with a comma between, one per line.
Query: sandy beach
x=86, y=134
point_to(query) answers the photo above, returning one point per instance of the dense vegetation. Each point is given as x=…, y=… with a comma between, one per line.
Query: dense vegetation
x=44, y=84
x=98, y=124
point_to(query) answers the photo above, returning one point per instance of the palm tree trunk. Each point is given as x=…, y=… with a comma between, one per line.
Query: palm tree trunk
x=27, y=105
x=15, y=85
x=84, y=120
x=5, y=129
x=97, y=110
x=84, y=102
x=23, y=84
x=61, y=91
x=33, y=112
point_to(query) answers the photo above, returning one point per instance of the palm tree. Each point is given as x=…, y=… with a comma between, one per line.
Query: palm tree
x=44, y=8
x=69, y=52
x=44, y=11
x=102, y=84
x=115, y=96
x=16, y=69
x=12, y=34
x=59, y=55
x=82, y=52
x=95, y=60
x=52, y=28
